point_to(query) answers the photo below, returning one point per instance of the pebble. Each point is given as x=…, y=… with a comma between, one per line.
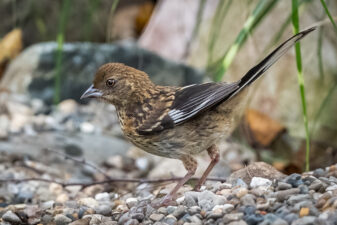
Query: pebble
x=11, y=217
x=61, y=219
x=307, y=220
x=297, y=198
x=102, y=197
x=130, y=202
x=240, y=192
x=179, y=212
x=283, y=186
x=157, y=217
x=260, y=181
x=285, y=194
x=207, y=200
x=104, y=210
x=294, y=180
x=170, y=220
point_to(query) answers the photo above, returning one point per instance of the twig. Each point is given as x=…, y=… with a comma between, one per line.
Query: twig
x=81, y=161
x=115, y=180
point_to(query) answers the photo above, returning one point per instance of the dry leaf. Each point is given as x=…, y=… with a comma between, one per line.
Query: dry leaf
x=10, y=47
x=264, y=129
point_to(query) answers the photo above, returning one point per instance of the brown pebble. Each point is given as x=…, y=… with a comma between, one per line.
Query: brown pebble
x=304, y=212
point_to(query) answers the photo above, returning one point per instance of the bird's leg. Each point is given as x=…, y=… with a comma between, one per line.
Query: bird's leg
x=191, y=166
x=213, y=153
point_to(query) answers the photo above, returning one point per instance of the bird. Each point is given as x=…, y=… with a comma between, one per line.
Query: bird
x=178, y=122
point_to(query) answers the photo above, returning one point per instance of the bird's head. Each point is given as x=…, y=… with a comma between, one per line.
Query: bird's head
x=118, y=84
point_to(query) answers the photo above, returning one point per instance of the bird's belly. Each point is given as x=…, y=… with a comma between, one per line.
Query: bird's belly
x=189, y=138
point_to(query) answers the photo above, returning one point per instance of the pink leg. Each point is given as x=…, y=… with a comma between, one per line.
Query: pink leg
x=191, y=166
x=213, y=153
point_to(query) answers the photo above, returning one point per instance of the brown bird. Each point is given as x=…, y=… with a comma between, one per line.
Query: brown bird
x=177, y=122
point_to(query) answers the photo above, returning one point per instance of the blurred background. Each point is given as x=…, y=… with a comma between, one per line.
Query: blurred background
x=50, y=50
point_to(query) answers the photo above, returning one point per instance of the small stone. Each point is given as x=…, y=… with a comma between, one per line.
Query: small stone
x=130, y=202
x=294, y=180
x=215, y=214
x=170, y=209
x=194, y=210
x=240, y=192
x=283, y=195
x=331, y=188
x=180, y=200
x=104, y=210
x=279, y=221
x=46, y=219
x=207, y=200
x=240, y=222
x=132, y=222
x=84, y=221
x=102, y=197
x=290, y=217
x=307, y=220
x=89, y=202
x=61, y=219
x=304, y=212
x=239, y=183
x=179, y=212
x=157, y=217
x=162, y=210
x=283, y=186
x=11, y=217
x=191, y=198
x=319, y=173
x=67, y=107
x=87, y=127
x=170, y=220
x=298, y=198
x=248, y=199
x=47, y=205
x=259, y=181
x=232, y=217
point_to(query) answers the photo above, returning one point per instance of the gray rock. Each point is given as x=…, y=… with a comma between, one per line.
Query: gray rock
x=194, y=210
x=195, y=220
x=170, y=220
x=239, y=183
x=285, y=194
x=232, y=217
x=191, y=198
x=46, y=219
x=179, y=212
x=240, y=222
x=157, y=217
x=256, y=169
x=170, y=209
x=248, y=199
x=260, y=181
x=61, y=219
x=11, y=217
x=306, y=220
x=32, y=72
x=298, y=198
x=207, y=200
x=279, y=221
x=104, y=210
x=102, y=197
x=283, y=186
x=132, y=222
x=162, y=210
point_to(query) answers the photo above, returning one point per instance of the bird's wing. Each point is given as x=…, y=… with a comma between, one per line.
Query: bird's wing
x=188, y=102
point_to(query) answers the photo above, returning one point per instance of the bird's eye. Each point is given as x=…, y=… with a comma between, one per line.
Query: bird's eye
x=110, y=82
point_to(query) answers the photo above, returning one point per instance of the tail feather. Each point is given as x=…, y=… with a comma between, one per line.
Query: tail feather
x=267, y=62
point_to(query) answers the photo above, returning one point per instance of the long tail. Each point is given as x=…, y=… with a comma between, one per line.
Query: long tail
x=267, y=62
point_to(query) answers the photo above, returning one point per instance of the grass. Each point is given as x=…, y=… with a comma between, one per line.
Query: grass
x=60, y=41
x=261, y=10
x=329, y=15
x=112, y=11
x=295, y=22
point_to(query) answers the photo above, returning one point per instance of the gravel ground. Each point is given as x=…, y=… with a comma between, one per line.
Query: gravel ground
x=251, y=197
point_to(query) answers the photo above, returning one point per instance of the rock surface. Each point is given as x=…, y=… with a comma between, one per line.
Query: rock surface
x=32, y=72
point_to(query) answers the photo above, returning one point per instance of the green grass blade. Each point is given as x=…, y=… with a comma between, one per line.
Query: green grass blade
x=329, y=14
x=295, y=21
x=112, y=11
x=60, y=40
x=261, y=10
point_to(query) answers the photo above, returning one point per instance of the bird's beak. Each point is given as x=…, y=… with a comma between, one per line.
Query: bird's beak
x=92, y=93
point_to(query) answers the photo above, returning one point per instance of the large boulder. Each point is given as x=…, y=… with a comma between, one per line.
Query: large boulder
x=33, y=71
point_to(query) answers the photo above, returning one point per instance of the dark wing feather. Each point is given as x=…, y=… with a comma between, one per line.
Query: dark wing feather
x=194, y=99
x=188, y=102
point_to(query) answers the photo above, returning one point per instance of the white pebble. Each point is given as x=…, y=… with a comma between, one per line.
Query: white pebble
x=260, y=181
